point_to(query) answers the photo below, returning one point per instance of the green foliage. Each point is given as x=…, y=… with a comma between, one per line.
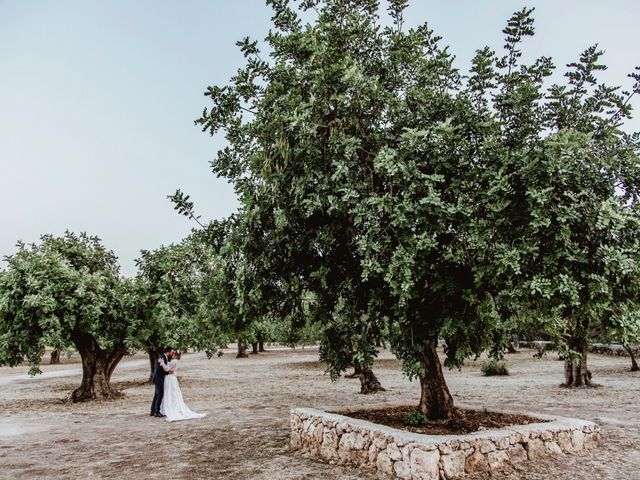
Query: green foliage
x=416, y=419
x=59, y=292
x=179, y=297
x=493, y=367
x=624, y=328
x=184, y=206
x=412, y=201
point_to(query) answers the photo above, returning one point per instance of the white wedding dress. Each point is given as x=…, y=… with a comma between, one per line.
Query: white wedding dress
x=173, y=405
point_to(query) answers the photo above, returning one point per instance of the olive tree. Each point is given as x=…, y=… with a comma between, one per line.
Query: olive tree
x=66, y=291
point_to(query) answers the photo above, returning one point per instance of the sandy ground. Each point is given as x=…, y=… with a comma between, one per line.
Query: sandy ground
x=247, y=401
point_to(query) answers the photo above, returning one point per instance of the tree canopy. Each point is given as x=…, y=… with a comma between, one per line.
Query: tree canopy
x=177, y=298
x=66, y=291
x=408, y=198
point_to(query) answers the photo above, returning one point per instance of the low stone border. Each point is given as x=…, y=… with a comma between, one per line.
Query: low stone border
x=409, y=456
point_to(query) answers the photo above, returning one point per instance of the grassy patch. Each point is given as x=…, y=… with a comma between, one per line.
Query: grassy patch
x=495, y=367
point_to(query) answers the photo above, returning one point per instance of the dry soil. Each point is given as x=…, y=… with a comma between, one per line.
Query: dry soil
x=247, y=401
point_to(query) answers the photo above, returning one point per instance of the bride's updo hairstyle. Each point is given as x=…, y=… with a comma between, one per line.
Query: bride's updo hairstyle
x=177, y=355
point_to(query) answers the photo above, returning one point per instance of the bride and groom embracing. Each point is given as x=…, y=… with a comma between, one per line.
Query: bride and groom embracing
x=167, y=401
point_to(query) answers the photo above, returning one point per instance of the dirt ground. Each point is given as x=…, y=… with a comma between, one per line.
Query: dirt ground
x=247, y=402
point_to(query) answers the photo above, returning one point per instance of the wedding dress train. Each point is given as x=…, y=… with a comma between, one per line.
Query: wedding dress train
x=173, y=405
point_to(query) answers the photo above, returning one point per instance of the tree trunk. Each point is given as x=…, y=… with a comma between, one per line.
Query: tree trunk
x=634, y=363
x=55, y=357
x=153, y=355
x=242, y=349
x=357, y=370
x=576, y=371
x=435, y=400
x=261, y=347
x=254, y=348
x=97, y=367
x=369, y=383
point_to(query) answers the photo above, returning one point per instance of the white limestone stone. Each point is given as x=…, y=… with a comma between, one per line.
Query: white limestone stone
x=425, y=464
x=453, y=464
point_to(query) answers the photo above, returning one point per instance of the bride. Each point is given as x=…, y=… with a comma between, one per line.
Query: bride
x=173, y=406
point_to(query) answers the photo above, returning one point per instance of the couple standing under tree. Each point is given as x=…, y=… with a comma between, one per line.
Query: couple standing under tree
x=167, y=401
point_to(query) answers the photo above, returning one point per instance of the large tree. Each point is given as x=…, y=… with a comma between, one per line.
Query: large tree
x=376, y=177
x=564, y=211
x=66, y=291
x=283, y=140
x=174, y=285
x=584, y=242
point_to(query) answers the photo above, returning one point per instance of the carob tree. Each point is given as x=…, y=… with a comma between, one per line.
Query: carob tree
x=377, y=178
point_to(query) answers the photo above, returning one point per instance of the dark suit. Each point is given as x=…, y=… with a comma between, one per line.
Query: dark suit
x=158, y=380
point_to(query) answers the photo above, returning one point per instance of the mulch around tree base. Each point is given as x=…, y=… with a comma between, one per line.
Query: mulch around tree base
x=464, y=421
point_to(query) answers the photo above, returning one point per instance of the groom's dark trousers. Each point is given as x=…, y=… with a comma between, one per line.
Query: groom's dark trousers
x=158, y=381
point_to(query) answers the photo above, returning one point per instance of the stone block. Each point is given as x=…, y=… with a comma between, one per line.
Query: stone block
x=564, y=440
x=445, y=449
x=402, y=470
x=329, y=447
x=351, y=448
x=476, y=463
x=380, y=441
x=515, y=438
x=295, y=442
x=553, y=448
x=406, y=452
x=535, y=448
x=372, y=454
x=384, y=463
x=296, y=423
x=517, y=454
x=453, y=464
x=425, y=465
x=498, y=460
x=577, y=440
x=394, y=452
x=487, y=446
x=502, y=443
x=546, y=436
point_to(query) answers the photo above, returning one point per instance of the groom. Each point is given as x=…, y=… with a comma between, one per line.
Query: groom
x=158, y=380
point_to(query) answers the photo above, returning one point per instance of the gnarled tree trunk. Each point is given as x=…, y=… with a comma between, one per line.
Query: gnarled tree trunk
x=97, y=367
x=369, y=383
x=634, y=363
x=55, y=357
x=254, y=348
x=242, y=349
x=435, y=400
x=357, y=370
x=261, y=347
x=576, y=371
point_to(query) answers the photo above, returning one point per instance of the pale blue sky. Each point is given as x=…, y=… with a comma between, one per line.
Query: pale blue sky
x=97, y=101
